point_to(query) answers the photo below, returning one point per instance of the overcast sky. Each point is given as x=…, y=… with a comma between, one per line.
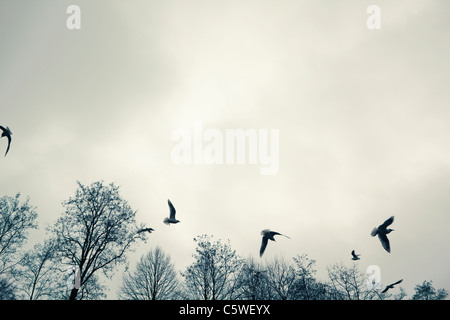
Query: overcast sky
x=363, y=118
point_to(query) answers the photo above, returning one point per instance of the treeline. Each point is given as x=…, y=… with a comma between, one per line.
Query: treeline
x=98, y=228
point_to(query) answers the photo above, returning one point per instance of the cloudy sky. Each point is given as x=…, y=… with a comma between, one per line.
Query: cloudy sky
x=363, y=118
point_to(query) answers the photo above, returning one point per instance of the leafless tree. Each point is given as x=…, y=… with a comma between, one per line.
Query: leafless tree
x=252, y=282
x=16, y=219
x=94, y=233
x=155, y=278
x=281, y=278
x=349, y=283
x=402, y=294
x=37, y=277
x=7, y=290
x=426, y=291
x=213, y=274
x=307, y=287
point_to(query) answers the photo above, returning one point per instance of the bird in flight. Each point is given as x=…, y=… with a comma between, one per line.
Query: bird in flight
x=391, y=286
x=382, y=232
x=149, y=230
x=355, y=256
x=6, y=133
x=266, y=235
x=171, y=218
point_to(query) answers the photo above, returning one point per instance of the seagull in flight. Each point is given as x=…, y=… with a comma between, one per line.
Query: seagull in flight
x=355, y=256
x=149, y=230
x=6, y=133
x=382, y=232
x=266, y=235
x=391, y=286
x=171, y=218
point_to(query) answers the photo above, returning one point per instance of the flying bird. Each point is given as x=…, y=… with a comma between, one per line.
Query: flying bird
x=266, y=235
x=355, y=256
x=149, y=230
x=391, y=286
x=6, y=133
x=382, y=232
x=171, y=218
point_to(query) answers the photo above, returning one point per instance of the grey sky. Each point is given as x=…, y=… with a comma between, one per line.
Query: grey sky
x=363, y=117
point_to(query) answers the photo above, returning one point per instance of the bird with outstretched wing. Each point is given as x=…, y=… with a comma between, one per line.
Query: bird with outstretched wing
x=391, y=286
x=382, y=231
x=266, y=236
x=6, y=133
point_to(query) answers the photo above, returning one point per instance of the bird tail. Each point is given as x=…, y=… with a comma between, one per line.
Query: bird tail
x=166, y=221
x=374, y=232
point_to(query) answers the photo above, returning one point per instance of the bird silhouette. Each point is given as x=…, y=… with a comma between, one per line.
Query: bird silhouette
x=149, y=230
x=382, y=232
x=6, y=133
x=171, y=218
x=355, y=256
x=266, y=235
x=391, y=286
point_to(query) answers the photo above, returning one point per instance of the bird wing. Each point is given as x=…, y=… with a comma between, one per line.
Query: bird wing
x=274, y=233
x=387, y=222
x=3, y=128
x=263, y=245
x=353, y=253
x=374, y=232
x=397, y=282
x=384, y=241
x=385, y=289
x=172, y=210
x=9, y=143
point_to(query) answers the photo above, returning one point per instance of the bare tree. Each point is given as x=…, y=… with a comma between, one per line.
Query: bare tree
x=349, y=283
x=281, y=277
x=253, y=283
x=96, y=230
x=306, y=285
x=155, y=278
x=37, y=276
x=16, y=219
x=92, y=289
x=426, y=291
x=401, y=294
x=213, y=274
x=7, y=290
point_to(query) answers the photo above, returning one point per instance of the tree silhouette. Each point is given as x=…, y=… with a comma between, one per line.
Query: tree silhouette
x=426, y=291
x=37, y=276
x=214, y=273
x=348, y=283
x=281, y=278
x=16, y=219
x=252, y=282
x=155, y=278
x=307, y=287
x=7, y=290
x=96, y=230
